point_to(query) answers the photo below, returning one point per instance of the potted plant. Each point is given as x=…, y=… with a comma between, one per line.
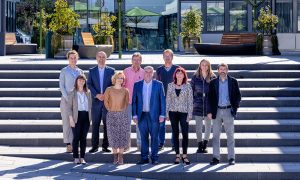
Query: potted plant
x=191, y=29
x=266, y=24
x=62, y=23
x=103, y=31
x=174, y=36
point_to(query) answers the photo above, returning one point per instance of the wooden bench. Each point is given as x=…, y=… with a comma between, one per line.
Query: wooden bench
x=12, y=47
x=89, y=49
x=231, y=44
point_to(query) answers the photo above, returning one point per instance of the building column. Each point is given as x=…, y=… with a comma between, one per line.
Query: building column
x=2, y=27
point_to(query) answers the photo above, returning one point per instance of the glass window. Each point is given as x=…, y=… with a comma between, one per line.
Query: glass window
x=215, y=16
x=150, y=32
x=284, y=11
x=238, y=16
x=298, y=15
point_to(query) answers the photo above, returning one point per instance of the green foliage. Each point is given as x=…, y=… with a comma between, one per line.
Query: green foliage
x=267, y=21
x=104, y=29
x=192, y=24
x=36, y=28
x=64, y=19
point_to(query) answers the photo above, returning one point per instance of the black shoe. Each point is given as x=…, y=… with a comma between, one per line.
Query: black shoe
x=106, y=150
x=93, y=150
x=214, y=161
x=231, y=161
x=160, y=147
x=204, y=148
x=200, y=147
x=177, y=160
x=143, y=161
x=185, y=160
x=155, y=162
x=173, y=148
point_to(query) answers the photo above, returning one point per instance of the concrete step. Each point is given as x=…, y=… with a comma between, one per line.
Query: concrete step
x=241, y=139
x=248, y=113
x=54, y=74
x=55, y=101
x=246, y=92
x=30, y=126
x=117, y=65
x=249, y=82
x=32, y=168
x=243, y=154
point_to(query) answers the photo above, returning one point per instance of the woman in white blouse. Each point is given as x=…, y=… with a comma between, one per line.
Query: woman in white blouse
x=80, y=103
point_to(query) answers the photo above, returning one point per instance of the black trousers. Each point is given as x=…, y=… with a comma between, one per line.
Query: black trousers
x=177, y=118
x=99, y=113
x=80, y=132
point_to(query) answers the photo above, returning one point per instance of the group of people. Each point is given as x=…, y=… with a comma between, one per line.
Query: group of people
x=149, y=99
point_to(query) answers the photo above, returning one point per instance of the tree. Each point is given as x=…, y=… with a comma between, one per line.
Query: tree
x=64, y=19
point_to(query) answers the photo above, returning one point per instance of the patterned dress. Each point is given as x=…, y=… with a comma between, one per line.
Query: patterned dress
x=117, y=119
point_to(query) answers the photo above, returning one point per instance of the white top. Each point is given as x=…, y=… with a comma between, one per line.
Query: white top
x=147, y=88
x=82, y=101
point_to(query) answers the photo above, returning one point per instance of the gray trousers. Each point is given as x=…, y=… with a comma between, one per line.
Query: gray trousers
x=223, y=116
x=138, y=135
x=199, y=125
x=67, y=130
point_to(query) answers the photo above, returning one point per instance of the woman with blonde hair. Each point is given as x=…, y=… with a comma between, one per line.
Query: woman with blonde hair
x=200, y=85
x=116, y=100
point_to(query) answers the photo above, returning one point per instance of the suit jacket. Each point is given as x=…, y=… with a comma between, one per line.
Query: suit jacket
x=234, y=95
x=157, y=100
x=73, y=105
x=94, y=82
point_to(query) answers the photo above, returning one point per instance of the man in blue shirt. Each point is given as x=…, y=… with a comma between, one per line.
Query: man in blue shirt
x=224, y=96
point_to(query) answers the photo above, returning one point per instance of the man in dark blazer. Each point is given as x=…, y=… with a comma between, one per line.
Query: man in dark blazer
x=99, y=79
x=148, y=110
x=224, y=96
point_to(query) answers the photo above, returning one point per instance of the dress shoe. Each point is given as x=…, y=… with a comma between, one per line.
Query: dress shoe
x=231, y=161
x=106, y=150
x=177, y=159
x=160, y=147
x=93, y=150
x=185, y=161
x=69, y=149
x=155, y=162
x=143, y=161
x=76, y=161
x=214, y=161
x=82, y=161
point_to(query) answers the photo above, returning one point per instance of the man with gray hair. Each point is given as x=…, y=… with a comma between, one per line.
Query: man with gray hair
x=224, y=96
x=148, y=110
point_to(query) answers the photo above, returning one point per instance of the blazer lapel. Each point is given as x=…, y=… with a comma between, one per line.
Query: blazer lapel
x=75, y=100
x=229, y=86
x=104, y=78
x=97, y=76
x=217, y=88
x=152, y=92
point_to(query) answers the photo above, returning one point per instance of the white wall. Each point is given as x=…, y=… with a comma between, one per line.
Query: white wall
x=289, y=41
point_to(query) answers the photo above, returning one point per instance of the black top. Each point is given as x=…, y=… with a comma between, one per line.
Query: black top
x=177, y=91
x=165, y=76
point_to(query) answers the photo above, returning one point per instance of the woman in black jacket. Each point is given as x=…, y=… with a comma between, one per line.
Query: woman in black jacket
x=200, y=85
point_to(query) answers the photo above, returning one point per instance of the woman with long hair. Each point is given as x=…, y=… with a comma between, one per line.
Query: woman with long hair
x=200, y=85
x=80, y=104
x=179, y=107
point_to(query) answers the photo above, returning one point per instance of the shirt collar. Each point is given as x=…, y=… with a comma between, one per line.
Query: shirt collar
x=148, y=83
x=226, y=79
x=101, y=69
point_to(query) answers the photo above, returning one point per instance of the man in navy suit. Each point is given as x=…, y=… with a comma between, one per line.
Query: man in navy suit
x=99, y=79
x=148, y=110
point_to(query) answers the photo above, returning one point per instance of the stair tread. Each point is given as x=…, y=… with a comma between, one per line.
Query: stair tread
x=55, y=135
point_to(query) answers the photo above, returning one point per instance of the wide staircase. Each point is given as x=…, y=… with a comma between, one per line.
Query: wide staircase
x=267, y=129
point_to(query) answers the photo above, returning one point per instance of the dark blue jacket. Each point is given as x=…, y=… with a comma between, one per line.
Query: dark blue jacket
x=157, y=100
x=234, y=95
x=165, y=76
x=200, y=102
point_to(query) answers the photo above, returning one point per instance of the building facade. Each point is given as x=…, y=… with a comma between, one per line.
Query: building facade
x=153, y=33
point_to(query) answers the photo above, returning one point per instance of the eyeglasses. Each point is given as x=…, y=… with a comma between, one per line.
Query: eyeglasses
x=120, y=78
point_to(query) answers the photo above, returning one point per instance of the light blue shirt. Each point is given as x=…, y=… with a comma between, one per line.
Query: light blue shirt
x=147, y=89
x=101, y=77
x=67, y=79
x=223, y=93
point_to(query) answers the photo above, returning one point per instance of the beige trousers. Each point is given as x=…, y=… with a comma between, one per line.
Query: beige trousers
x=67, y=130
